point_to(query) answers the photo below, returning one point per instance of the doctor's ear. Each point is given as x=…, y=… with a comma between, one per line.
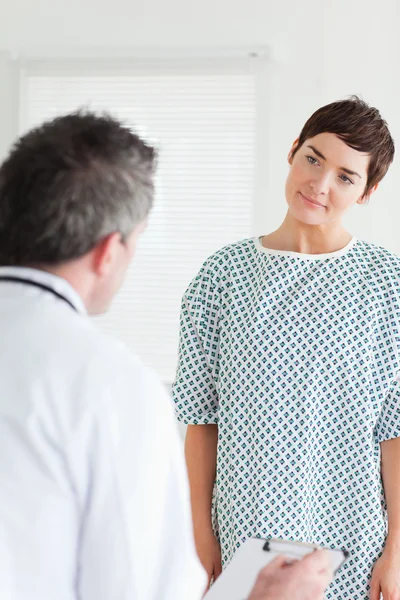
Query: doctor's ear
x=105, y=252
x=365, y=199
x=292, y=151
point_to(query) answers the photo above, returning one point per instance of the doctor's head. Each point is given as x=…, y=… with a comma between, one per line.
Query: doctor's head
x=75, y=194
x=343, y=152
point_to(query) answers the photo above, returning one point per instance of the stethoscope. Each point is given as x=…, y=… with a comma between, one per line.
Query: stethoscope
x=41, y=286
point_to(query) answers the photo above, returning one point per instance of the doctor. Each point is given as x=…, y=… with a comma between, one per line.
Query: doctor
x=93, y=493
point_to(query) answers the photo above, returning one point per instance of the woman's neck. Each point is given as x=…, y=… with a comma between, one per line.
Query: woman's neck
x=295, y=236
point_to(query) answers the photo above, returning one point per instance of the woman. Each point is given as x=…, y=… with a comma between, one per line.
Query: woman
x=289, y=352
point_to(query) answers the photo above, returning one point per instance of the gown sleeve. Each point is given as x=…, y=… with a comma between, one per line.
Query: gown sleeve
x=388, y=424
x=195, y=390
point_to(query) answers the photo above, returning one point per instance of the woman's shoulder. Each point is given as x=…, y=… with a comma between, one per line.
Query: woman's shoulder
x=378, y=257
x=228, y=256
x=219, y=268
x=381, y=268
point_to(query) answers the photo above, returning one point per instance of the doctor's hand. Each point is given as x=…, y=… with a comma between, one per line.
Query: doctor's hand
x=209, y=553
x=305, y=579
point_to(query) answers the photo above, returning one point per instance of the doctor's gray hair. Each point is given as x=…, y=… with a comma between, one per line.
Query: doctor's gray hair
x=69, y=183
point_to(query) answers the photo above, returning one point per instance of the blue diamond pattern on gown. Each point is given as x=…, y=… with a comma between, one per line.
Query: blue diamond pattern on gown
x=296, y=359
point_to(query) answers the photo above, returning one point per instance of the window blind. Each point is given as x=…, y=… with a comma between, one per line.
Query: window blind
x=203, y=124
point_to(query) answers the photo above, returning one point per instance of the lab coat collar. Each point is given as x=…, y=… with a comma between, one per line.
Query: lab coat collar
x=58, y=284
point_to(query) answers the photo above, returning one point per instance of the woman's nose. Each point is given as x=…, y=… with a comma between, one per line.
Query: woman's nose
x=320, y=185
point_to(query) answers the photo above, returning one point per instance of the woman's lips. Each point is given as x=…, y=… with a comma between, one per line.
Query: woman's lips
x=312, y=202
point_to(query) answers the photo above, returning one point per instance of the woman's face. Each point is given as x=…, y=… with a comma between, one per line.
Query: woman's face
x=326, y=178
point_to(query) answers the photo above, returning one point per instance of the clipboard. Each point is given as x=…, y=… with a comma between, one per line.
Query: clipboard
x=238, y=579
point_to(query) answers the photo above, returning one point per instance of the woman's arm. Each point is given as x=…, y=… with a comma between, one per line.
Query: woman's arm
x=201, y=459
x=390, y=457
x=386, y=573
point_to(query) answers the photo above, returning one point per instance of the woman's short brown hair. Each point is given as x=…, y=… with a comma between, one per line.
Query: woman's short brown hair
x=361, y=127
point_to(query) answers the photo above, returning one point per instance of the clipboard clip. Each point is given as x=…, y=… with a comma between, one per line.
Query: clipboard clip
x=312, y=547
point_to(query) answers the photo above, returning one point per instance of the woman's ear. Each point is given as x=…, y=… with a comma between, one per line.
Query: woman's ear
x=293, y=149
x=365, y=199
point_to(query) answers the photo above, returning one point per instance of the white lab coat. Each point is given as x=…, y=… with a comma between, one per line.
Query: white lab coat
x=94, y=499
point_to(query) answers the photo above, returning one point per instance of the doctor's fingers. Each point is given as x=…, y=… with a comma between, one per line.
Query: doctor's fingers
x=316, y=561
x=275, y=565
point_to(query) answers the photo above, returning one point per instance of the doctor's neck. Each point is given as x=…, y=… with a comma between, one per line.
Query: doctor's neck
x=83, y=279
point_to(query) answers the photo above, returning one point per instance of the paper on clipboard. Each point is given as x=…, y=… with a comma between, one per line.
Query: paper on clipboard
x=237, y=580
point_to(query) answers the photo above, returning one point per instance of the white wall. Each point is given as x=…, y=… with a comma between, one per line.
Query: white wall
x=323, y=51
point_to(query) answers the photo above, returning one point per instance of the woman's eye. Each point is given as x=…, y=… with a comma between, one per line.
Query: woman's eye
x=312, y=160
x=345, y=179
